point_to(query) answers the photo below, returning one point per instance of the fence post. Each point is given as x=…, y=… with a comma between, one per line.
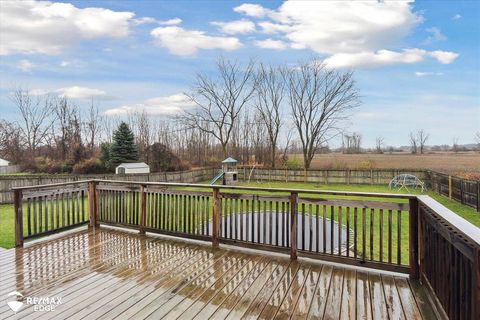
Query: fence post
x=93, y=203
x=18, y=218
x=450, y=187
x=413, y=238
x=478, y=196
x=293, y=225
x=216, y=217
x=143, y=209
x=461, y=192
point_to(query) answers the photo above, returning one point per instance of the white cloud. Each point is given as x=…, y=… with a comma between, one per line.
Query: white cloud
x=330, y=27
x=382, y=58
x=253, y=10
x=25, y=65
x=150, y=20
x=444, y=57
x=49, y=27
x=65, y=63
x=144, y=20
x=271, y=44
x=421, y=74
x=349, y=33
x=185, y=42
x=77, y=92
x=171, y=22
x=457, y=17
x=160, y=106
x=269, y=27
x=238, y=26
x=435, y=35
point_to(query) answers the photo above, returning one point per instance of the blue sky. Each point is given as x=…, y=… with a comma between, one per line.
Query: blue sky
x=416, y=64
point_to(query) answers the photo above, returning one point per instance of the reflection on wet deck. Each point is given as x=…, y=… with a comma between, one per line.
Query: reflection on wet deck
x=110, y=274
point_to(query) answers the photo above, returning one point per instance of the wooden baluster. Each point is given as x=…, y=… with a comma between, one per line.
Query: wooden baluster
x=413, y=238
x=18, y=195
x=293, y=225
x=216, y=217
x=143, y=209
x=29, y=218
x=92, y=204
x=381, y=235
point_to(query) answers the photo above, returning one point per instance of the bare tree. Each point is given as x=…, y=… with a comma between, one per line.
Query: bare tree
x=422, y=138
x=11, y=143
x=477, y=139
x=379, y=143
x=36, y=117
x=320, y=98
x=351, y=143
x=65, y=114
x=413, y=143
x=92, y=125
x=270, y=89
x=455, y=146
x=219, y=101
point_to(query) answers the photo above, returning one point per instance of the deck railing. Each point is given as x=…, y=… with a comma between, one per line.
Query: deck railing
x=394, y=232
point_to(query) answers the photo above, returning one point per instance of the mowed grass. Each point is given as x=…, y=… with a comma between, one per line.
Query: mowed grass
x=7, y=221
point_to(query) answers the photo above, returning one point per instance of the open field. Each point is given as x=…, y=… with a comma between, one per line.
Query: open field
x=442, y=161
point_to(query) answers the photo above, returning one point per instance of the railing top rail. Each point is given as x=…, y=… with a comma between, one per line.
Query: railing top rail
x=245, y=188
x=51, y=185
x=462, y=225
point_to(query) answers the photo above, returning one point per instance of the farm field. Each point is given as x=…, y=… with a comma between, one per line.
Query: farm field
x=448, y=162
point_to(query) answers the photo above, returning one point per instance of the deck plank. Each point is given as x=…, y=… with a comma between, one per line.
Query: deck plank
x=349, y=295
x=306, y=296
x=110, y=274
x=319, y=302
x=279, y=293
x=394, y=305
x=377, y=297
x=363, y=305
x=334, y=298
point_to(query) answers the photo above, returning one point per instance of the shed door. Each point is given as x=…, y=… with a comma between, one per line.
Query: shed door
x=121, y=170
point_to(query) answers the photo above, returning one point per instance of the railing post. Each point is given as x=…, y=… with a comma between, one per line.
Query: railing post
x=413, y=238
x=476, y=286
x=18, y=218
x=143, y=209
x=93, y=203
x=216, y=217
x=293, y=225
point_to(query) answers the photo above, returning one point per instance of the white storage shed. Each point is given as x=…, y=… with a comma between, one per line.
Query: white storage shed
x=4, y=163
x=128, y=168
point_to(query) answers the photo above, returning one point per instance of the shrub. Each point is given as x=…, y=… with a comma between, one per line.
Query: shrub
x=366, y=164
x=92, y=165
x=45, y=165
x=162, y=159
x=293, y=164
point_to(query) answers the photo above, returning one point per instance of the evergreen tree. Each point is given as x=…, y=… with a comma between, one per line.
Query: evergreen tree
x=123, y=148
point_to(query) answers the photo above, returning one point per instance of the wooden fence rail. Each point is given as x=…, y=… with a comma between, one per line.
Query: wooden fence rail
x=403, y=233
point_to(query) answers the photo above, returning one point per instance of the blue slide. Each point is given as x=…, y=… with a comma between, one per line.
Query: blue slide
x=218, y=176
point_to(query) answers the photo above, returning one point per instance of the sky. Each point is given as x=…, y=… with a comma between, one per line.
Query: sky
x=416, y=64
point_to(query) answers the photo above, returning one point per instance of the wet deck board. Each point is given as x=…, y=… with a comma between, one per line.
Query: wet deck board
x=110, y=274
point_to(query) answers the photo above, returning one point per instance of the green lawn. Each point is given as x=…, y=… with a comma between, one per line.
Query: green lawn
x=7, y=216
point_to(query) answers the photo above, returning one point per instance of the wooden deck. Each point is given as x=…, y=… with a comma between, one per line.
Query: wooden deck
x=109, y=274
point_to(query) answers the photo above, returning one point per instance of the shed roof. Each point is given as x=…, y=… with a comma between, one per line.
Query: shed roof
x=4, y=162
x=229, y=160
x=133, y=165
